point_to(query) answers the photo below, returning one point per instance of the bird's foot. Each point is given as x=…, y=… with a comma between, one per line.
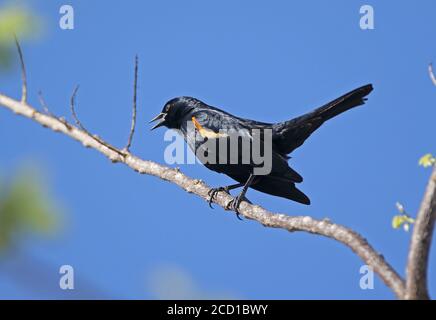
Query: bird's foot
x=234, y=205
x=212, y=193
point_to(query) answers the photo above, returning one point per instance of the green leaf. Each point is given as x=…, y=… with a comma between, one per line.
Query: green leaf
x=397, y=221
x=427, y=160
x=402, y=220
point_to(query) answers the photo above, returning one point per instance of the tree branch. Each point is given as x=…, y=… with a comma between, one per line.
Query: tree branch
x=416, y=282
x=325, y=228
x=417, y=265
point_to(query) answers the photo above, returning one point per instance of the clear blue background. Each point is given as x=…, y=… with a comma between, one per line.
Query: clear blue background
x=265, y=60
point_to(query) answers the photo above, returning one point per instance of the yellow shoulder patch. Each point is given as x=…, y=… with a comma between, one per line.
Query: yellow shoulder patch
x=206, y=133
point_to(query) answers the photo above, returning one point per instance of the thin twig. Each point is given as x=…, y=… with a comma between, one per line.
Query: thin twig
x=46, y=109
x=43, y=103
x=132, y=128
x=23, y=72
x=430, y=72
x=73, y=110
x=82, y=127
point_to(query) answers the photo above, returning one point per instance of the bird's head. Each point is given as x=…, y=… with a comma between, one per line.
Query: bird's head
x=174, y=111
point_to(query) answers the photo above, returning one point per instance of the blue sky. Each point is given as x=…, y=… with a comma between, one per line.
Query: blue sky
x=262, y=60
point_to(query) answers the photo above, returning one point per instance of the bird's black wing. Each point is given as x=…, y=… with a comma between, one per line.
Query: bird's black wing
x=215, y=120
x=289, y=135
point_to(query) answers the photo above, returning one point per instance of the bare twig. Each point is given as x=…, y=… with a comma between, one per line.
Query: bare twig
x=73, y=110
x=132, y=128
x=325, y=228
x=47, y=110
x=82, y=127
x=23, y=72
x=43, y=103
x=430, y=72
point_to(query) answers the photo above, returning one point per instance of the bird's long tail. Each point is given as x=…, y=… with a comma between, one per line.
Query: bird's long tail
x=347, y=101
x=292, y=134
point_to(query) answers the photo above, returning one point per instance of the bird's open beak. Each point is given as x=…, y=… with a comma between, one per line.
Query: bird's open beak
x=161, y=117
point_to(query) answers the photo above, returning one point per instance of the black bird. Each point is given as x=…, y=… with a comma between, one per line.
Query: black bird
x=208, y=122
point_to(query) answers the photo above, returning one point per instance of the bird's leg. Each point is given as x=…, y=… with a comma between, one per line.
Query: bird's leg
x=212, y=192
x=234, y=203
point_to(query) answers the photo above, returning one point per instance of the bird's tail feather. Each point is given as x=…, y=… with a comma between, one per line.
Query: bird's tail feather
x=292, y=134
x=347, y=101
